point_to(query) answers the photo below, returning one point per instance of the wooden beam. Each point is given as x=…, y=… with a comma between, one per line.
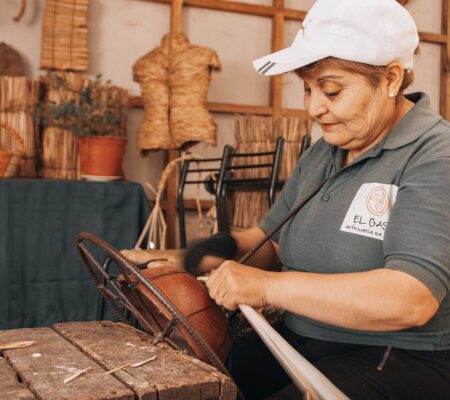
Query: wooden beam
x=276, y=88
x=270, y=11
x=445, y=63
x=436, y=38
x=176, y=25
x=228, y=108
x=238, y=7
x=176, y=16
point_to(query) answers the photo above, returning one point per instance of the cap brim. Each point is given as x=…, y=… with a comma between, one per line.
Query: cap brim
x=284, y=61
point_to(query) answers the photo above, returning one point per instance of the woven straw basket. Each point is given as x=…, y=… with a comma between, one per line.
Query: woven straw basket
x=10, y=160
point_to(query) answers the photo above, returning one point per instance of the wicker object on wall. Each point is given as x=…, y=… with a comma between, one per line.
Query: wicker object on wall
x=18, y=99
x=64, y=35
x=174, y=81
x=258, y=134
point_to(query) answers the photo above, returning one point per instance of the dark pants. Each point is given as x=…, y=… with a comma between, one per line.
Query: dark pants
x=406, y=374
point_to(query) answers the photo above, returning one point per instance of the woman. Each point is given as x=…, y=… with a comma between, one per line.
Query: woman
x=368, y=257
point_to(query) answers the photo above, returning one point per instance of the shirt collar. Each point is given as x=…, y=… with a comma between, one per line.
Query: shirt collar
x=417, y=121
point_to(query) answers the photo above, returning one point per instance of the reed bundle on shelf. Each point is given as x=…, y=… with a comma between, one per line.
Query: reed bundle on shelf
x=18, y=93
x=64, y=35
x=59, y=154
x=59, y=158
x=18, y=100
x=258, y=134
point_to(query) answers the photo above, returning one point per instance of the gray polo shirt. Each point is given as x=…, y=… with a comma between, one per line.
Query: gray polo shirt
x=389, y=208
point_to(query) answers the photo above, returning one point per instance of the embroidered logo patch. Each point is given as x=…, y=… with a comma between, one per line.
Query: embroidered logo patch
x=369, y=212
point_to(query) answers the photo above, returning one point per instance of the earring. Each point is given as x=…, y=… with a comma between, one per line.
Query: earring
x=391, y=93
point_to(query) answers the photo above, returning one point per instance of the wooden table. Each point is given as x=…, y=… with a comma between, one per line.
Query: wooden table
x=38, y=371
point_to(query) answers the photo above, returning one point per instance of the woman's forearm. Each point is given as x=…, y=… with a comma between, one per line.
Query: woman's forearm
x=378, y=300
x=266, y=257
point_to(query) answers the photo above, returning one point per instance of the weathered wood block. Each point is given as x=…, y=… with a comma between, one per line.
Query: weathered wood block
x=103, y=345
x=11, y=388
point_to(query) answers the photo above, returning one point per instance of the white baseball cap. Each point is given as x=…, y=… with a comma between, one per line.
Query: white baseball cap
x=375, y=32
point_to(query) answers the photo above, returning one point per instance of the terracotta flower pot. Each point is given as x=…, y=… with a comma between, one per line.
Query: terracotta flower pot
x=101, y=157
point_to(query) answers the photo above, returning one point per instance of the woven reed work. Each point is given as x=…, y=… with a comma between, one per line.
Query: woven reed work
x=64, y=35
x=18, y=99
x=174, y=80
x=10, y=158
x=258, y=134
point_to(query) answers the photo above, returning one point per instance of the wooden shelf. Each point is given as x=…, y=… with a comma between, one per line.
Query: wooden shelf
x=228, y=108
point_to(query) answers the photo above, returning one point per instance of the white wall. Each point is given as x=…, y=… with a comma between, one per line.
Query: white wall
x=120, y=31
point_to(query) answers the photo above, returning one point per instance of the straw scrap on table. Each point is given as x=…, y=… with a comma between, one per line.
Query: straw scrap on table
x=116, y=369
x=75, y=376
x=141, y=363
x=16, y=345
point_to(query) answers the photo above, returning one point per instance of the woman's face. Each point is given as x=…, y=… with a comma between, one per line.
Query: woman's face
x=353, y=114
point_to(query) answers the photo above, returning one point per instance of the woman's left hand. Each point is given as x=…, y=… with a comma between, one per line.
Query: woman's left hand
x=233, y=284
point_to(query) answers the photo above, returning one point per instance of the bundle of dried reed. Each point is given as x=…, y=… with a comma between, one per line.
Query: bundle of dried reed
x=174, y=81
x=258, y=134
x=64, y=35
x=59, y=157
x=245, y=216
x=59, y=154
x=22, y=122
x=18, y=93
x=18, y=100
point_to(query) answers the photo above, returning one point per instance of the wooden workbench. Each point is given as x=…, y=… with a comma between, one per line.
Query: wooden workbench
x=38, y=371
